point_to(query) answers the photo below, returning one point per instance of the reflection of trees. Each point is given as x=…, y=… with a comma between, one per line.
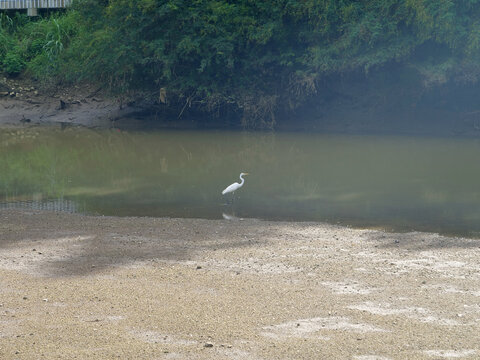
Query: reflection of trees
x=31, y=169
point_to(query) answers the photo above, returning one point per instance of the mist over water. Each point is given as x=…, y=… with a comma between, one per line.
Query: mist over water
x=394, y=182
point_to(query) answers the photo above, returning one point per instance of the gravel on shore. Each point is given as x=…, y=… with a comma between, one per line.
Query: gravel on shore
x=84, y=287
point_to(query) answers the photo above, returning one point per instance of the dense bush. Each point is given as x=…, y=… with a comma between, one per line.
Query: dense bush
x=253, y=57
x=35, y=45
x=260, y=56
x=13, y=63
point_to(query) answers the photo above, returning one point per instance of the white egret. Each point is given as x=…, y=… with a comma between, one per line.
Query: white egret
x=235, y=186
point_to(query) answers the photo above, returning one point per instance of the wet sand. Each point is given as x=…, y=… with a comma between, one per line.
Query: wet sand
x=80, y=287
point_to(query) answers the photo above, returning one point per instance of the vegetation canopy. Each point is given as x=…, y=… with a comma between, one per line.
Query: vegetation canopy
x=251, y=58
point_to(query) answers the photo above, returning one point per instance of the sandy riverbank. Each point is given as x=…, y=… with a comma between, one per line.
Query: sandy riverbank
x=81, y=287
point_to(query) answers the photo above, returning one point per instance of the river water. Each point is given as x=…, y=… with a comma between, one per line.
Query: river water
x=394, y=182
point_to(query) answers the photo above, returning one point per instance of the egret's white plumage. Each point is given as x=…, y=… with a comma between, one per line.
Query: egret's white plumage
x=235, y=186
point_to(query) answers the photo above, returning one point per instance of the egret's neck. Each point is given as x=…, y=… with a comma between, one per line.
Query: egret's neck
x=241, y=178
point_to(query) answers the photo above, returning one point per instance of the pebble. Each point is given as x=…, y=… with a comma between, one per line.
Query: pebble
x=208, y=345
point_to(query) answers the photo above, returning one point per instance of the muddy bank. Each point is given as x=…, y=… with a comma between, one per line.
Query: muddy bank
x=359, y=106
x=23, y=103
x=74, y=286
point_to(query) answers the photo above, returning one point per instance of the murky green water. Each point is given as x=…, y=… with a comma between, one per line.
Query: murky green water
x=400, y=183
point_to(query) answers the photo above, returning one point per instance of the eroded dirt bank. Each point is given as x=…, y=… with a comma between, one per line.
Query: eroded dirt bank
x=358, y=108
x=23, y=103
x=82, y=287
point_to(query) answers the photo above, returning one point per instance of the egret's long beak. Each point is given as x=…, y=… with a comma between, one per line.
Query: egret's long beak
x=246, y=174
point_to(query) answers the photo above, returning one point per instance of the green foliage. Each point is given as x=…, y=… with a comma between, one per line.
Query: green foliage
x=203, y=52
x=46, y=44
x=13, y=63
x=6, y=40
x=35, y=44
x=6, y=22
x=255, y=57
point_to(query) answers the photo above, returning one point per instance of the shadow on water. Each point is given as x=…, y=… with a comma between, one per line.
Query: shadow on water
x=398, y=183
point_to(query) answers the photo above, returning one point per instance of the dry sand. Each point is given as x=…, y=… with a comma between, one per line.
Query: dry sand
x=79, y=287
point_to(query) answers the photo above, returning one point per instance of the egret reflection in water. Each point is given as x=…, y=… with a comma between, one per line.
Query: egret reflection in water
x=402, y=183
x=231, y=216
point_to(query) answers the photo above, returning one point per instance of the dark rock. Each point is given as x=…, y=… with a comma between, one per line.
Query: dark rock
x=62, y=105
